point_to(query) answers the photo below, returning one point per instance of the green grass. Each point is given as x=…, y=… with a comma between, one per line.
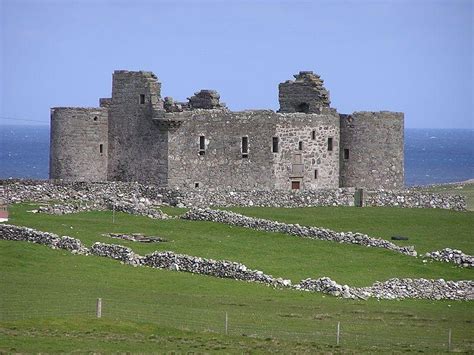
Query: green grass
x=47, y=297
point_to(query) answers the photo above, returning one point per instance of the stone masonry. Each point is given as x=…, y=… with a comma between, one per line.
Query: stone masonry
x=136, y=135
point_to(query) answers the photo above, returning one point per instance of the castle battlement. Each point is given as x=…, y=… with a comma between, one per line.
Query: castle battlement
x=136, y=135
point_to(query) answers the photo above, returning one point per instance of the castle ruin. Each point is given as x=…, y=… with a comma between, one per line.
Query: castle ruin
x=136, y=135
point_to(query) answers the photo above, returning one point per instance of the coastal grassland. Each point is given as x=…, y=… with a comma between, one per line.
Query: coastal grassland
x=47, y=297
x=48, y=300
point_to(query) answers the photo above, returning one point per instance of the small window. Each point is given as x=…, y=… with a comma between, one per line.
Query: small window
x=330, y=144
x=142, y=99
x=245, y=147
x=202, y=145
x=196, y=185
x=300, y=145
x=295, y=185
x=275, y=145
x=313, y=135
x=101, y=148
x=346, y=154
x=95, y=118
x=315, y=173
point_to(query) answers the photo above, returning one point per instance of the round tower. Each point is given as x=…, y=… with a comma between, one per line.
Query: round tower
x=371, y=150
x=78, y=144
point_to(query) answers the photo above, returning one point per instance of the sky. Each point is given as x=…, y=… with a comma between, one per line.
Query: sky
x=410, y=56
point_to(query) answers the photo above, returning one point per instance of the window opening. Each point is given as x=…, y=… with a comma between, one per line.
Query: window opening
x=346, y=154
x=275, y=145
x=313, y=135
x=245, y=147
x=302, y=107
x=196, y=185
x=202, y=145
x=95, y=118
x=295, y=185
x=330, y=144
x=142, y=99
x=300, y=145
x=315, y=173
x=101, y=148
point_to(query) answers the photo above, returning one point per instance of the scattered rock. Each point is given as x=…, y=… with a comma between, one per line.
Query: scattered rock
x=452, y=256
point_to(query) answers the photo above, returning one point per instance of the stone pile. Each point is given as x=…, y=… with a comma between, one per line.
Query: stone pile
x=294, y=229
x=415, y=199
x=11, y=232
x=394, y=289
x=326, y=285
x=142, y=208
x=117, y=252
x=217, y=268
x=135, y=237
x=452, y=256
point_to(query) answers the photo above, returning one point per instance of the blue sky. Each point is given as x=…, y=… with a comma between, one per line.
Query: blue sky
x=411, y=56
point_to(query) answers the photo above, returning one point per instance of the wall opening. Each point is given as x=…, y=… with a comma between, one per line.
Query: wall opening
x=202, y=145
x=101, y=148
x=300, y=145
x=315, y=173
x=346, y=154
x=142, y=99
x=95, y=118
x=295, y=185
x=275, y=145
x=313, y=135
x=302, y=107
x=245, y=147
x=196, y=185
x=330, y=144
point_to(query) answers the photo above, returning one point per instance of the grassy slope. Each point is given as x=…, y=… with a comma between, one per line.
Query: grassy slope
x=143, y=307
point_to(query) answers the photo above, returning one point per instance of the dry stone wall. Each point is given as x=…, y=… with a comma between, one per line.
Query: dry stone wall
x=236, y=219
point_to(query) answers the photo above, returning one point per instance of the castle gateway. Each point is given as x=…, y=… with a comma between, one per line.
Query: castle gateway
x=138, y=136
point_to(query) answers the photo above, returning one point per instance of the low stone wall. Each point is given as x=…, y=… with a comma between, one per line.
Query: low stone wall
x=452, y=256
x=414, y=199
x=11, y=232
x=93, y=193
x=258, y=198
x=236, y=219
x=394, y=289
x=391, y=289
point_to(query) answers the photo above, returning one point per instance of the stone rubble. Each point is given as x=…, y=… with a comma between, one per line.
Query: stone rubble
x=452, y=256
x=236, y=219
x=390, y=289
x=394, y=289
x=136, y=237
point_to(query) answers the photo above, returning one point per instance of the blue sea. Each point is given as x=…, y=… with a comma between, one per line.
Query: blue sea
x=432, y=156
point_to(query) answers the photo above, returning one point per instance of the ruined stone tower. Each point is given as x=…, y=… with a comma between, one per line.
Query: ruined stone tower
x=136, y=135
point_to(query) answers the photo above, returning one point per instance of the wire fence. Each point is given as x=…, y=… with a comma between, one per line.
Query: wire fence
x=239, y=323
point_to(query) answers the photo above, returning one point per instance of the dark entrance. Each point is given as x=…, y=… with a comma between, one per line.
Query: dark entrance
x=295, y=185
x=302, y=107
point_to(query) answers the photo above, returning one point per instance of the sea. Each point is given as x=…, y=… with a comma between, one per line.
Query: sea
x=432, y=156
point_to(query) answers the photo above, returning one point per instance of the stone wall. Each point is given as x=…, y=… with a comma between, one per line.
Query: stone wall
x=222, y=164
x=371, y=150
x=78, y=144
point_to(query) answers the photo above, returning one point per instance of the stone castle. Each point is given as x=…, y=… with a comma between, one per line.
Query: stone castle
x=136, y=135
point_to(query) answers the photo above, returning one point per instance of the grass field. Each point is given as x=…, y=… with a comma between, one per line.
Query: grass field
x=47, y=297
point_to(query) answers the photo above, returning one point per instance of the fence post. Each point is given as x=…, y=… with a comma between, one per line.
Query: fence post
x=226, y=323
x=338, y=332
x=98, y=308
x=449, y=340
